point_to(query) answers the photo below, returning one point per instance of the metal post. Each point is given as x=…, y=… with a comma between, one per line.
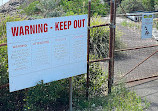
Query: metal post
x=70, y=94
x=88, y=41
x=111, y=44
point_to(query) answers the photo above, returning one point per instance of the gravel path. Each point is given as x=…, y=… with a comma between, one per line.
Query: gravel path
x=132, y=38
x=124, y=62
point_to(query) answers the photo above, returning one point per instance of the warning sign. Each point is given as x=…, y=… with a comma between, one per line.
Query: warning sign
x=147, y=24
x=46, y=49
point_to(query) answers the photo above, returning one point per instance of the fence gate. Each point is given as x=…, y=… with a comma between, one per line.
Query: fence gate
x=136, y=59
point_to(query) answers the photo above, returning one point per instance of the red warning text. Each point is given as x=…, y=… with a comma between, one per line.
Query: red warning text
x=65, y=25
x=29, y=29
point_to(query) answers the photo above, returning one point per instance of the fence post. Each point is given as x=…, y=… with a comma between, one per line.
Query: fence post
x=88, y=41
x=111, y=44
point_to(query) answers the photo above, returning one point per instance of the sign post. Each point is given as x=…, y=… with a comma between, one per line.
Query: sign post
x=70, y=93
x=147, y=24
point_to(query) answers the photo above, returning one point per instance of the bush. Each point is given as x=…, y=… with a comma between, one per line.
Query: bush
x=55, y=95
x=81, y=7
x=51, y=96
x=56, y=8
x=120, y=99
x=4, y=19
x=131, y=6
x=42, y=8
x=138, y=5
x=31, y=9
x=8, y=101
x=99, y=39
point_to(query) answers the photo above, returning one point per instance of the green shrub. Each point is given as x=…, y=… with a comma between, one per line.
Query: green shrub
x=55, y=8
x=137, y=5
x=8, y=101
x=3, y=50
x=42, y=8
x=49, y=96
x=81, y=7
x=121, y=99
x=31, y=9
x=3, y=20
x=54, y=95
x=130, y=24
x=99, y=39
x=50, y=8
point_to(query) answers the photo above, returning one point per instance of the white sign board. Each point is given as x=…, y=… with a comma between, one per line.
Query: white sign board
x=46, y=49
x=147, y=24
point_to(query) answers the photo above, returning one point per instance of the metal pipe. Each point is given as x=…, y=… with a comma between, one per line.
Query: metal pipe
x=140, y=64
x=136, y=80
x=70, y=94
x=119, y=50
x=99, y=60
x=140, y=14
x=95, y=26
x=88, y=41
x=3, y=45
x=111, y=44
x=4, y=86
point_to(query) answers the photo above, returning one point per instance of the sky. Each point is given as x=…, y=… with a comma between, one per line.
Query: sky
x=3, y=2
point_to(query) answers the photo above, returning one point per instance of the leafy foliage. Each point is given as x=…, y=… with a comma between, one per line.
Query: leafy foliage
x=50, y=96
x=47, y=96
x=131, y=6
x=44, y=8
x=55, y=8
x=130, y=24
x=138, y=5
x=31, y=9
x=8, y=101
x=99, y=39
x=122, y=99
x=4, y=19
x=81, y=7
x=149, y=5
x=50, y=8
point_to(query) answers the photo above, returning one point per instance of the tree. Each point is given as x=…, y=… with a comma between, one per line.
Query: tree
x=149, y=5
x=131, y=6
x=138, y=5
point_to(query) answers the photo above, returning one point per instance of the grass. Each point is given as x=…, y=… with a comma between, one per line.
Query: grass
x=130, y=24
x=156, y=23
